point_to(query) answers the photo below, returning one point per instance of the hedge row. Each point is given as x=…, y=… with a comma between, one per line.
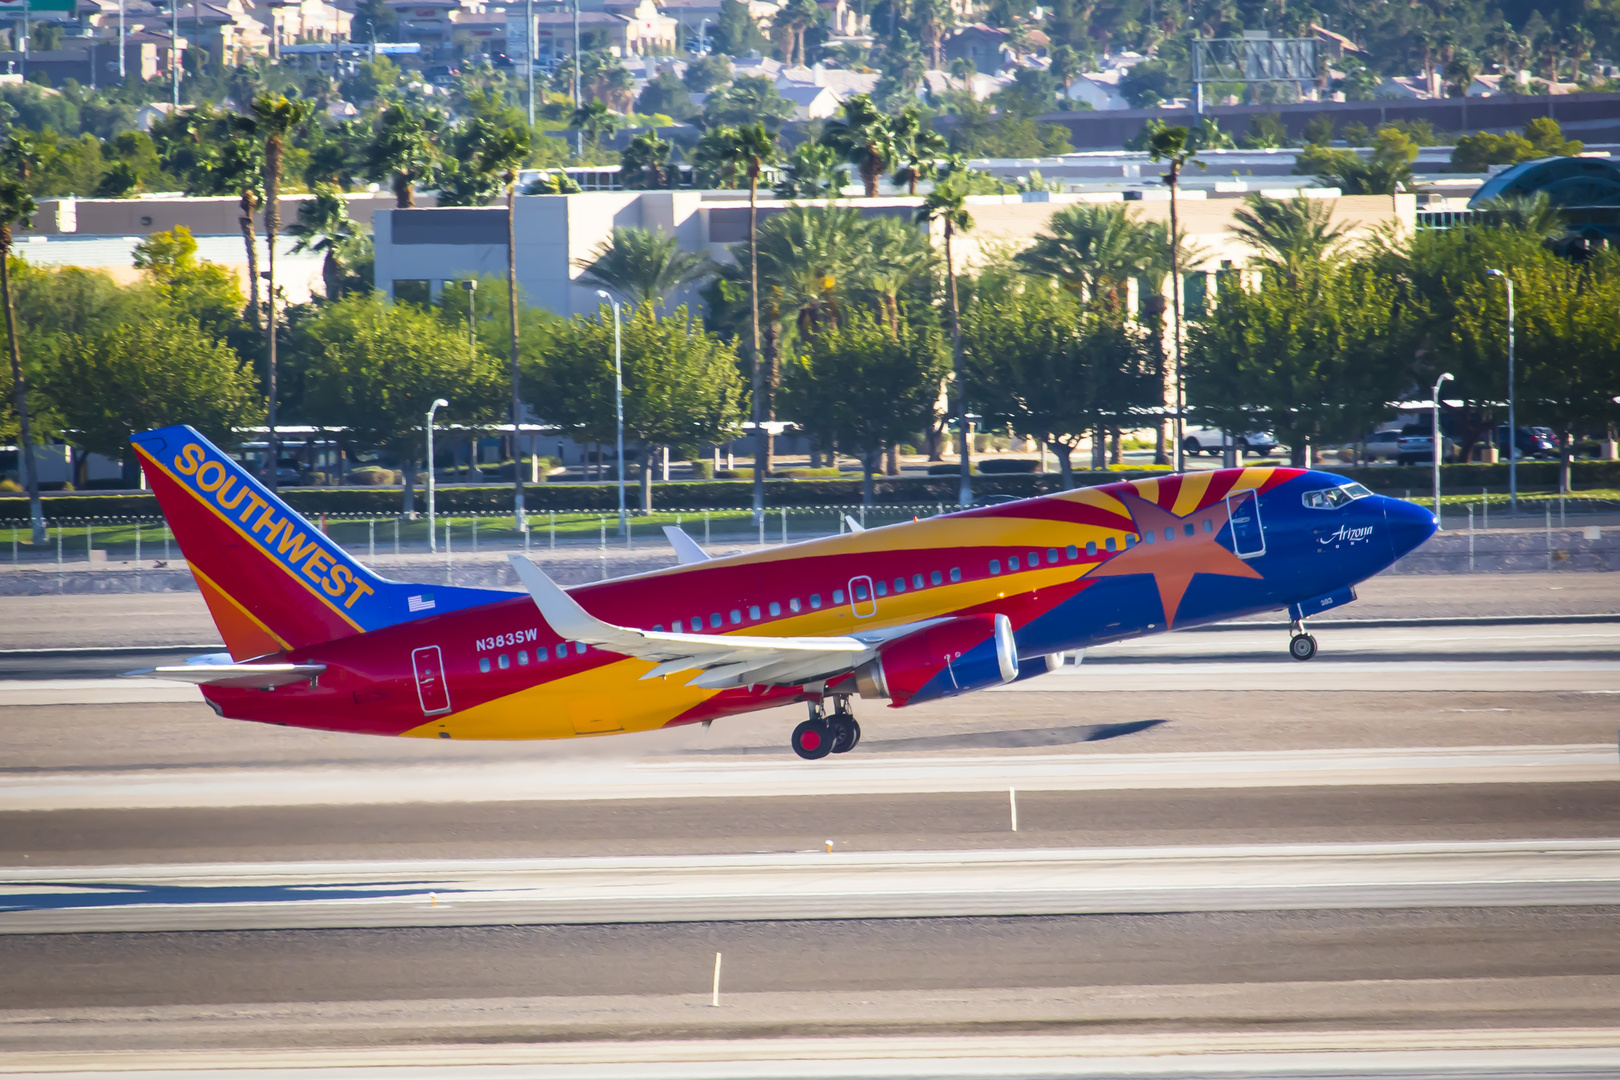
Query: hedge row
x=731, y=494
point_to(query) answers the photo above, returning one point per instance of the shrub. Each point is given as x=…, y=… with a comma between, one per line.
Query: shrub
x=702, y=469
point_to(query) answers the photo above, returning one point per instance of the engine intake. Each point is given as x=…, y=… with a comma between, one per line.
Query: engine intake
x=969, y=652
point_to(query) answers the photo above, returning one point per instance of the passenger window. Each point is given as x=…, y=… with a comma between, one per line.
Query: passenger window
x=838, y=596
x=776, y=609
x=658, y=628
x=676, y=627
x=793, y=604
x=995, y=566
x=1091, y=547
x=881, y=588
x=714, y=621
x=956, y=573
x=815, y=601
x=562, y=650
x=1130, y=541
x=1034, y=559
x=900, y=584
x=1170, y=534
x=753, y=611
x=1073, y=552
x=1110, y=545
x=523, y=658
x=1012, y=564
x=1189, y=529
x=1209, y=526
x=483, y=664
x=580, y=647
x=736, y=616
x=504, y=662
x=935, y=578
x=1147, y=536
x=860, y=593
x=1051, y=555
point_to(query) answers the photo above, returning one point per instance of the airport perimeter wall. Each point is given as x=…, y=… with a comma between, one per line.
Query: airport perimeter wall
x=1585, y=548
x=732, y=494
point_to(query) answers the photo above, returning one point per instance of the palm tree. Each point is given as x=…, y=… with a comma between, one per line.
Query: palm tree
x=402, y=150
x=814, y=170
x=17, y=208
x=866, y=139
x=747, y=150
x=1092, y=249
x=947, y=204
x=483, y=154
x=324, y=226
x=276, y=117
x=645, y=162
x=1533, y=215
x=595, y=119
x=1170, y=145
x=1291, y=236
x=918, y=147
x=642, y=266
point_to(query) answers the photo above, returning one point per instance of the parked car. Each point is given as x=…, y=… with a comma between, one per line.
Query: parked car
x=441, y=74
x=1531, y=442
x=1383, y=445
x=1212, y=441
x=1416, y=446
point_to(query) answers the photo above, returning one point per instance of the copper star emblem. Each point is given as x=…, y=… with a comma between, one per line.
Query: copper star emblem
x=1180, y=548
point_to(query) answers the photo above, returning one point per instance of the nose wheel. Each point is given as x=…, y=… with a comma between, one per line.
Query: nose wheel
x=823, y=733
x=1301, y=645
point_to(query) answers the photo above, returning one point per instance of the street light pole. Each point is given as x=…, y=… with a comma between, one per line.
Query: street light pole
x=618, y=401
x=1513, y=430
x=528, y=51
x=1435, y=429
x=433, y=544
x=472, y=342
x=703, y=38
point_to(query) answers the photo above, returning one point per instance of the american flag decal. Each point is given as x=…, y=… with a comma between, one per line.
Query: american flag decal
x=420, y=603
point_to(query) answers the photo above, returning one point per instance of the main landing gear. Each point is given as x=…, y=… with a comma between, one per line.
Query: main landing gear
x=1301, y=646
x=824, y=734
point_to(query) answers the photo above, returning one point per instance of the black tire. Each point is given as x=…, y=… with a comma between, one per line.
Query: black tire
x=846, y=733
x=1302, y=647
x=1192, y=446
x=812, y=740
x=1242, y=448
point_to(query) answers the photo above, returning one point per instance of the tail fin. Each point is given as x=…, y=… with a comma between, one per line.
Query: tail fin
x=271, y=579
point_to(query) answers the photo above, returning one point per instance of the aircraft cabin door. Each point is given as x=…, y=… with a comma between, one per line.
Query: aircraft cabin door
x=862, y=601
x=1248, y=537
x=431, y=689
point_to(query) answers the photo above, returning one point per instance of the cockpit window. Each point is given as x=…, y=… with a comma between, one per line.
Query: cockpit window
x=1333, y=498
x=1356, y=491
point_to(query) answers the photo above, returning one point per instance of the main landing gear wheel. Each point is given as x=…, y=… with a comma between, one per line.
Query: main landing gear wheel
x=813, y=739
x=1302, y=646
x=846, y=732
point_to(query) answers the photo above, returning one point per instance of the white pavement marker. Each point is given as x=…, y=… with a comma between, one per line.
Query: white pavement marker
x=808, y=885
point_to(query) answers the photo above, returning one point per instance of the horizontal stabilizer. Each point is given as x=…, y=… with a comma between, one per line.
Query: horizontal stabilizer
x=687, y=551
x=854, y=526
x=242, y=676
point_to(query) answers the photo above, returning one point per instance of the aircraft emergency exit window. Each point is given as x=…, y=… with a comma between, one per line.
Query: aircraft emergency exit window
x=838, y=596
x=935, y=578
x=776, y=609
x=793, y=604
x=1051, y=555
x=1110, y=545
x=483, y=664
x=859, y=590
x=714, y=621
x=504, y=662
x=753, y=611
x=736, y=616
x=523, y=658
x=881, y=588
x=1091, y=547
x=815, y=600
x=995, y=566
x=1073, y=552
x=1012, y=564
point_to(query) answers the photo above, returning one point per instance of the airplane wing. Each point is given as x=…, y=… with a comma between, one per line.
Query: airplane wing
x=854, y=526
x=250, y=675
x=686, y=549
x=723, y=660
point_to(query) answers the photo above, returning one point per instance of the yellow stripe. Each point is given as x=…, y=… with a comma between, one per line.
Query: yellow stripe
x=1253, y=477
x=277, y=638
x=250, y=538
x=1148, y=489
x=1193, y=486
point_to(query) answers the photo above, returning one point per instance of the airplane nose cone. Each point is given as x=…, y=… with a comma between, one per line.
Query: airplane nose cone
x=1409, y=525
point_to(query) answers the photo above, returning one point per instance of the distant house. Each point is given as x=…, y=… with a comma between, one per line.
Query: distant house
x=811, y=102
x=986, y=46
x=153, y=112
x=843, y=84
x=1099, y=89
x=978, y=85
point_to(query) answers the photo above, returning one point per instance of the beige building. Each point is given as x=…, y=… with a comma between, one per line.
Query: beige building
x=639, y=31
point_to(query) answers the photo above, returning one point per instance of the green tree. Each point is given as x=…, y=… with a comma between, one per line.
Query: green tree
x=918, y=148
x=749, y=99
x=814, y=171
x=374, y=368
x=1291, y=237
x=203, y=293
x=737, y=34
x=403, y=150
x=595, y=119
x=17, y=208
x=947, y=204
x=324, y=226
x=482, y=155
x=146, y=374
x=642, y=266
x=1093, y=250
x=681, y=386
x=1386, y=172
x=645, y=162
x=705, y=73
x=864, y=386
x=666, y=93
x=866, y=138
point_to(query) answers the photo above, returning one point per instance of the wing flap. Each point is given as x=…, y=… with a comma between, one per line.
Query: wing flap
x=245, y=676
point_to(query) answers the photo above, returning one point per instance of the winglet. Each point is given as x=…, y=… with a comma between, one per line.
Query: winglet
x=561, y=611
x=686, y=549
x=854, y=526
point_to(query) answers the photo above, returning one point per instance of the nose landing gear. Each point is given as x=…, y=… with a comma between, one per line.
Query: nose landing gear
x=824, y=734
x=1301, y=645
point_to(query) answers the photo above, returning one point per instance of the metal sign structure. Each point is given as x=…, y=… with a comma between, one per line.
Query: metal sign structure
x=1251, y=60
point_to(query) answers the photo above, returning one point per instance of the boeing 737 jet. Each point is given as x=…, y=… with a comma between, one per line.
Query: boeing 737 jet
x=908, y=613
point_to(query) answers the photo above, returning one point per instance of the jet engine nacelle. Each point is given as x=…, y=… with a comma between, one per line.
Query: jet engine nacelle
x=969, y=652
